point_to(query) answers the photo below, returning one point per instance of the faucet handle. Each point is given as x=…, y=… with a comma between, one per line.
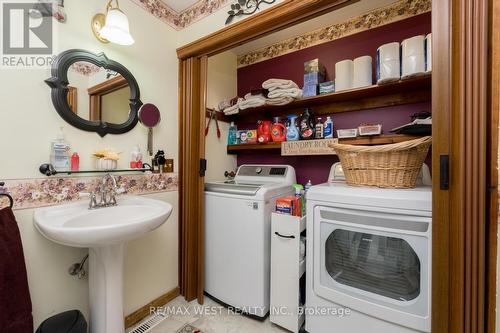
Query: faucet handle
x=92, y=196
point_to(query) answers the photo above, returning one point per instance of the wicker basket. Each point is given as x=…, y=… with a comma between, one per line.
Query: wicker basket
x=388, y=166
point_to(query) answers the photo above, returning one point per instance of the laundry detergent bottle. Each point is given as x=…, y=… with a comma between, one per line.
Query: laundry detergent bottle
x=307, y=125
x=278, y=131
x=292, y=132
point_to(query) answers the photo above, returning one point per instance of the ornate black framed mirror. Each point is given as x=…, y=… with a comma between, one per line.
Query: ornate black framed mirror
x=94, y=93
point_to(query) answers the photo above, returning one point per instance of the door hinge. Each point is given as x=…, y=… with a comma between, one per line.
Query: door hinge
x=203, y=167
x=444, y=172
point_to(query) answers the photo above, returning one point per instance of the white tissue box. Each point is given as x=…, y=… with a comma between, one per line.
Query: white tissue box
x=347, y=133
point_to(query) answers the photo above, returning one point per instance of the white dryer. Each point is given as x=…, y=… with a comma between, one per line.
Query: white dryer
x=238, y=235
x=369, y=251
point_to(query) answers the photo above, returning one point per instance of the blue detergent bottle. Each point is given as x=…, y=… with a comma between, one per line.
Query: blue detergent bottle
x=292, y=132
x=232, y=135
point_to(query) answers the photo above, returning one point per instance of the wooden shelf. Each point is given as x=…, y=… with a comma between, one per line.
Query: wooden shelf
x=413, y=90
x=235, y=149
x=374, y=140
x=220, y=115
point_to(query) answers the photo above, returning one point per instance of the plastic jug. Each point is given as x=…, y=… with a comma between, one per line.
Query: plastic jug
x=292, y=132
x=278, y=131
x=264, y=131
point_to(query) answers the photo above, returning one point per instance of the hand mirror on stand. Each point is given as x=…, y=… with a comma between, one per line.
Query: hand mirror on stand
x=149, y=116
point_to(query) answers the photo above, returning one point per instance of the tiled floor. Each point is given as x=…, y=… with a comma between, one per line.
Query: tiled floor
x=209, y=318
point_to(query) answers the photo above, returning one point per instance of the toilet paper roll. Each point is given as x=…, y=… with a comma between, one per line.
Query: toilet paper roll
x=343, y=75
x=362, y=72
x=428, y=53
x=413, y=56
x=388, y=63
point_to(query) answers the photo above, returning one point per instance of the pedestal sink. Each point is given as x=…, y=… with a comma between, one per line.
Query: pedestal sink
x=104, y=231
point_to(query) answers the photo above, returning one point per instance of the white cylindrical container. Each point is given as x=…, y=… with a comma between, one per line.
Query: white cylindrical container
x=343, y=75
x=388, y=63
x=413, y=56
x=428, y=53
x=362, y=72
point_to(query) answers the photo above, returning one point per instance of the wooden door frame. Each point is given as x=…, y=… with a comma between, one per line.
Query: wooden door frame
x=99, y=90
x=460, y=114
x=493, y=135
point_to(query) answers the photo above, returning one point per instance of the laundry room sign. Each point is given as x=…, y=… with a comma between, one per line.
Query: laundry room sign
x=308, y=147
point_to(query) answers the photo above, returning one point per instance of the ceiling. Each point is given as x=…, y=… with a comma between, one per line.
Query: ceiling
x=356, y=9
x=180, y=5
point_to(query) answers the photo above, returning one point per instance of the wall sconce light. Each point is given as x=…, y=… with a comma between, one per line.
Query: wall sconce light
x=113, y=26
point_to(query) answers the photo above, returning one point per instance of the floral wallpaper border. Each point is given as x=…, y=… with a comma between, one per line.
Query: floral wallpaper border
x=181, y=20
x=398, y=11
x=41, y=192
x=85, y=68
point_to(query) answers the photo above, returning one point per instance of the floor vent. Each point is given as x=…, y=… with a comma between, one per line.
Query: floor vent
x=147, y=325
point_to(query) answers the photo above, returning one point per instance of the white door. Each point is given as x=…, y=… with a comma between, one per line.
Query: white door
x=374, y=262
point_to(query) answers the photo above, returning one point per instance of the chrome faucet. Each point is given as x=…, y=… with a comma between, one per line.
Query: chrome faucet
x=108, y=197
x=107, y=194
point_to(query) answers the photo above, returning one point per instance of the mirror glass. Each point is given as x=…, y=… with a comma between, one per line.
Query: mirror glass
x=98, y=94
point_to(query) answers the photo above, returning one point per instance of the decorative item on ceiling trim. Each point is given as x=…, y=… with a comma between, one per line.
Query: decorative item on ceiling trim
x=245, y=7
x=183, y=19
x=398, y=11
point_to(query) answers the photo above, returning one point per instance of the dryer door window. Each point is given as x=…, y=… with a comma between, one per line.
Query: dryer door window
x=377, y=264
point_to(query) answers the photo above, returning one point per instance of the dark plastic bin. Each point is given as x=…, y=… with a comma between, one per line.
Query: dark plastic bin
x=66, y=322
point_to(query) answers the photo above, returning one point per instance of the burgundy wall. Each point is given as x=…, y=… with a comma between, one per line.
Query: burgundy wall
x=291, y=67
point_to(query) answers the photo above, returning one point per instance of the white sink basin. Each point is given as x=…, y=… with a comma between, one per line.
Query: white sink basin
x=77, y=226
x=104, y=231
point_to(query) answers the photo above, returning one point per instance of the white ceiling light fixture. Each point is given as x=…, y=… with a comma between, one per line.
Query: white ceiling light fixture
x=113, y=26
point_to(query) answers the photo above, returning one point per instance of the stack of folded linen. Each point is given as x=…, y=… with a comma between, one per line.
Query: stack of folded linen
x=281, y=92
x=252, y=101
x=234, y=108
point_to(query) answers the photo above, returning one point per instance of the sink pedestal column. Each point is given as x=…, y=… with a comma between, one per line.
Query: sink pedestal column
x=106, y=289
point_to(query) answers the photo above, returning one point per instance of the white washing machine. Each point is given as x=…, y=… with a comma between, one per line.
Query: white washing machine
x=238, y=235
x=369, y=251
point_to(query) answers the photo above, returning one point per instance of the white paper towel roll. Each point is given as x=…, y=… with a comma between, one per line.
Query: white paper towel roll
x=362, y=72
x=428, y=53
x=413, y=58
x=388, y=63
x=343, y=75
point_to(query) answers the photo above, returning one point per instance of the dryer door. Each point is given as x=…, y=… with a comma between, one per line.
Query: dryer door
x=375, y=263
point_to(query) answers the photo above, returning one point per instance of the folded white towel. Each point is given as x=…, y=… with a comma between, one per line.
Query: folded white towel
x=232, y=110
x=291, y=92
x=252, y=103
x=280, y=101
x=273, y=84
x=249, y=96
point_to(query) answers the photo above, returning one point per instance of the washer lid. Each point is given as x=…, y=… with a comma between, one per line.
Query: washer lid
x=418, y=199
x=232, y=187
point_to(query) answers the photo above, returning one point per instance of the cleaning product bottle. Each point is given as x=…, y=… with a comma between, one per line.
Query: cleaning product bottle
x=278, y=131
x=328, y=129
x=292, y=132
x=59, y=157
x=319, y=129
x=299, y=193
x=231, y=136
x=308, y=186
x=307, y=127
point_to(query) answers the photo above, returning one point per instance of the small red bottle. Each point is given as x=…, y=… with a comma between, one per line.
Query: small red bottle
x=75, y=162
